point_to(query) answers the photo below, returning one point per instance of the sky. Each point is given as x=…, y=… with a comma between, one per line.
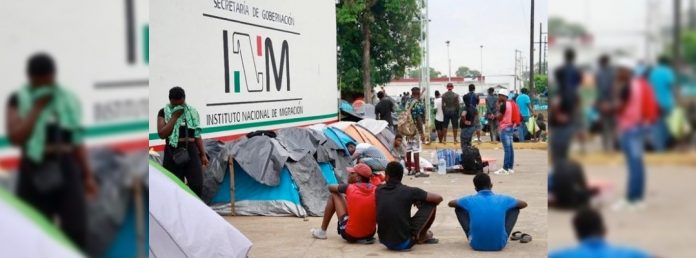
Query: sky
x=619, y=23
x=501, y=26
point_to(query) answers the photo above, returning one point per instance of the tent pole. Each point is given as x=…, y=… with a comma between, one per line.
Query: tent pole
x=230, y=163
x=139, y=211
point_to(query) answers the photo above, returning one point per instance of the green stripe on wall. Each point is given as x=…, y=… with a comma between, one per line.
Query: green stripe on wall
x=154, y=136
x=236, y=82
x=102, y=130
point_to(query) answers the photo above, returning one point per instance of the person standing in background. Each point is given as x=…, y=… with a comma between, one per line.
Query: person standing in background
x=384, y=109
x=605, y=99
x=663, y=81
x=44, y=120
x=563, y=107
x=491, y=113
x=413, y=143
x=439, y=118
x=184, y=155
x=632, y=104
x=469, y=116
x=450, y=107
x=526, y=110
x=507, y=128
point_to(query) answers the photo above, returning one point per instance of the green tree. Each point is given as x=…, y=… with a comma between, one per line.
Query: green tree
x=541, y=83
x=464, y=71
x=377, y=41
x=415, y=73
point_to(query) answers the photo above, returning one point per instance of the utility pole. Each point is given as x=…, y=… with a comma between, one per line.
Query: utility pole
x=540, y=41
x=677, y=34
x=449, y=64
x=482, y=61
x=517, y=64
x=531, y=50
x=692, y=14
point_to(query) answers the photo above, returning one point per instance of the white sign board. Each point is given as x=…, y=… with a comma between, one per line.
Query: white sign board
x=100, y=49
x=245, y=65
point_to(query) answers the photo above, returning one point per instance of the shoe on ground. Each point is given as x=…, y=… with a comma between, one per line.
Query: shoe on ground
x=510, y=171
x=318, y=233
x=421, y=174
x=622, y=204
x=501, y=171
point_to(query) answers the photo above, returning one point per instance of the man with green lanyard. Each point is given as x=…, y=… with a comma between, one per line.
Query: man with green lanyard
x=184, y=155
x=44, y=120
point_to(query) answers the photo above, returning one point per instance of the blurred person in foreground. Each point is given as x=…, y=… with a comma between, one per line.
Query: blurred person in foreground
x=487, y=218
x=636, y=109
x=663, y=81
x=564, y=107
x=604, y=79
x=396, y=227
x=44, y=120
x=591, y=232
x=568, y=187
x=184, y=155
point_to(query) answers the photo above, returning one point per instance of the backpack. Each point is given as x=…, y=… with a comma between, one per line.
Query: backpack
x=568, y=185
x=406, y=126
x=650, y=111
x=516, y=116
x=471, y=160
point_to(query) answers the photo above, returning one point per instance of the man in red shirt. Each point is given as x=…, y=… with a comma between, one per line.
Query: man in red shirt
x=359, y=202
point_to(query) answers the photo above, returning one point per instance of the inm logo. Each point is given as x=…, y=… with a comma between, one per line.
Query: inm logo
x=248, y=73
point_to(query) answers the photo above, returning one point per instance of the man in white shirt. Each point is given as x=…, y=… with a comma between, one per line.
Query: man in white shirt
x=439, y=118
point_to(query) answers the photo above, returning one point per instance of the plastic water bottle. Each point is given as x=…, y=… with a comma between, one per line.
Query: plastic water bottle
x=433, y=158
x=442, y=167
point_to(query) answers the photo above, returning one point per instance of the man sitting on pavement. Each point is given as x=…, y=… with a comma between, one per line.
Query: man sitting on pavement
x=359, y=202
x=487, y=218
x=368, y=154
x=397, y=229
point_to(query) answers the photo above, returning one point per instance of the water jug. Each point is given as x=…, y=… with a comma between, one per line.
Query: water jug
x=442, y=167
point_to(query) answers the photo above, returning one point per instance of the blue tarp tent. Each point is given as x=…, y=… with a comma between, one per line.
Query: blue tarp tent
x=339, y=137
x=254, y=198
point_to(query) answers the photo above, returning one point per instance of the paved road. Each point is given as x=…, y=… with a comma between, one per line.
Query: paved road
x=290, y=237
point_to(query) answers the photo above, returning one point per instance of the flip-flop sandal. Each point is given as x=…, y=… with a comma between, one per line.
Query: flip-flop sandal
x=366, y=241
x=431, y=241
x=421, y=174
x=526, y=238
x=517, y=235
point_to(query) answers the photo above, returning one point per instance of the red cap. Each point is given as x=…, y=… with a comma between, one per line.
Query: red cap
x=362, y=170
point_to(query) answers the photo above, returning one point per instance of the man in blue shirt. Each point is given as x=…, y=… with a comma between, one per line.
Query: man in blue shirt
x=526, y=110
x=590, y=230
x=487, y=218
x=662, y=79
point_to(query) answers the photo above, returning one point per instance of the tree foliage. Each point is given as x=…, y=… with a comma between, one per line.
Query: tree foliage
x=415, y=73
x=464, y=71
x=394, y=32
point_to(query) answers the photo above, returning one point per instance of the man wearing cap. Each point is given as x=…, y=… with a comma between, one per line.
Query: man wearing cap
x=506, y=129
x=450, y=108
x=359, y=202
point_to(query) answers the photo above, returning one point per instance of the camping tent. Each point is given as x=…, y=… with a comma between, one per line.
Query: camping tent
x=361, y=134
x=181, y=225
x=380, y=128
x=287, y=181
x=26, y=233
